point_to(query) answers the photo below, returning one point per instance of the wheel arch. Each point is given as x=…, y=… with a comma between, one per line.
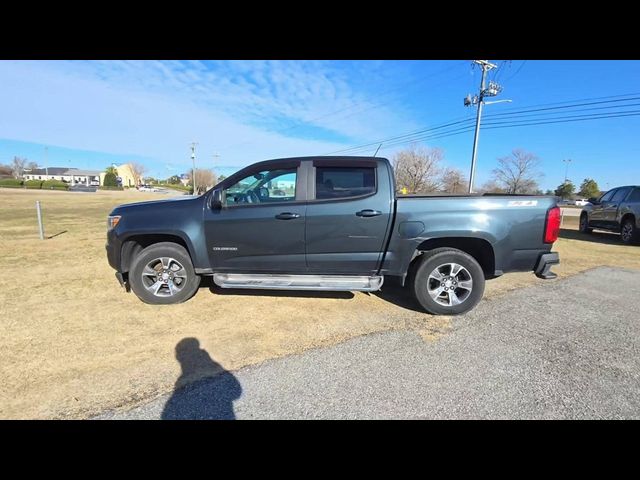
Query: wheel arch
x=135, y=243
x=626, y=216
x=480, y=249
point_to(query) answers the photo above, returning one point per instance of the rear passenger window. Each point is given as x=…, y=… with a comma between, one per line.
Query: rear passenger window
x=635, y=196
x=344, y=182
x=620, y=194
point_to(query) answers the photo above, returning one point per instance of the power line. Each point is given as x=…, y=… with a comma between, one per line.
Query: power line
x=520, y=123
x=418, y=134
x=517, y=71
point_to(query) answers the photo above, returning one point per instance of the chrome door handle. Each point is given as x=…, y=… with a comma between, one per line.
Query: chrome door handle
x=368, y=213
x=287, y=216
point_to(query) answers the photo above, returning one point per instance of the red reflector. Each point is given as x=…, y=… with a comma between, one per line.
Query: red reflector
x=552, y=228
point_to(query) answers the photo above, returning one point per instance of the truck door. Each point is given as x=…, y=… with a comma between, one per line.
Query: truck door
x=610, y=211
x=348, y=215
x=261, y=225
x=597, y=212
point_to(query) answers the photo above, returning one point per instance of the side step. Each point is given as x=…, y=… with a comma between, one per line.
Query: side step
x=299, y=282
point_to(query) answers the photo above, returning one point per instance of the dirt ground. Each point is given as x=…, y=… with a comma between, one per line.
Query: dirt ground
x=75, y=344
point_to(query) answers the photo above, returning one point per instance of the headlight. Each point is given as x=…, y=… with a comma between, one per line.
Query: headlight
x=112, y=221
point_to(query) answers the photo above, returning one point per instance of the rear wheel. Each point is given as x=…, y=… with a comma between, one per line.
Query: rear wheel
x=629, y=232
x=447, y=281
x=584, y=224
x=163, y=274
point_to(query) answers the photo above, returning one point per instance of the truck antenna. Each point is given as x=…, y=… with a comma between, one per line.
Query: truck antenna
x=377, y=150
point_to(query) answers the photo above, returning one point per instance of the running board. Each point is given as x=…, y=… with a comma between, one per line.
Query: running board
x=299, y=282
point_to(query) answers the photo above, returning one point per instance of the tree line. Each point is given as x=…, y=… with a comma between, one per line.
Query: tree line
x=421, y=169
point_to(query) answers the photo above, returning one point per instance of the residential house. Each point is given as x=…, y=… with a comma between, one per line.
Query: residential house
x=73, y=176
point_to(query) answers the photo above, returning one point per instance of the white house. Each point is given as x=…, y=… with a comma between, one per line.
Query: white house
x=74, y=176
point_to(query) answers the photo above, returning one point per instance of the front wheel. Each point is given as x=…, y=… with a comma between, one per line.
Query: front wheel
x=163, y=274
x=629, y=232
x=447, y=281
x=584, y=224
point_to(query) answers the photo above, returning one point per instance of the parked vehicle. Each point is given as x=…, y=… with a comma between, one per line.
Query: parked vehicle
x=147, y=188
x=617, y=210
x=341, y=227
x=581, y=202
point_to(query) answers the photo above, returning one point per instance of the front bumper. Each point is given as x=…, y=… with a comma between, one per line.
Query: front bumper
x=545, y=262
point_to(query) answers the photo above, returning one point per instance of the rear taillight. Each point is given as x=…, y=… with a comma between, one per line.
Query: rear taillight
x=552, y=225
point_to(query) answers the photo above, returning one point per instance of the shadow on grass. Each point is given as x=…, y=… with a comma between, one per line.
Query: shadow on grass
x=392, y=291
x=59, y=233
x=595, y=237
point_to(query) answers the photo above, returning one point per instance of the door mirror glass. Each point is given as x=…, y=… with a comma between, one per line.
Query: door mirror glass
x=216, y=200
x=593, y=200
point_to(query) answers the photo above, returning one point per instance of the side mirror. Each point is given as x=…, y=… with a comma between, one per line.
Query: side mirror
x=216, y=200
x=593, y=200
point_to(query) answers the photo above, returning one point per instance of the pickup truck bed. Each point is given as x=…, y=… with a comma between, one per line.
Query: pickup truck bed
x=330, y=223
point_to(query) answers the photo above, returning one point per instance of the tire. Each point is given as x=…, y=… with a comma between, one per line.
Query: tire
x=163, y=274
x=629, y=232
x=423, y=279
x=584, y=224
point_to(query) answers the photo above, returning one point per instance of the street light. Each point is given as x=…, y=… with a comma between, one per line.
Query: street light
x=566, y=161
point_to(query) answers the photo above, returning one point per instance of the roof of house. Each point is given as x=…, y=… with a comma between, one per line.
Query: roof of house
x=61, y=171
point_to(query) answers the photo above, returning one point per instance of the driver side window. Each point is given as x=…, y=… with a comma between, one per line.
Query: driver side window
x=267, y=186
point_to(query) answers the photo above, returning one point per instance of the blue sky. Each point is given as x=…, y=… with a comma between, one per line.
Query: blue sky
x=94, y=113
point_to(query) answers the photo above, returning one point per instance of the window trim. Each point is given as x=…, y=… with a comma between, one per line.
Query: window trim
x=329, y=164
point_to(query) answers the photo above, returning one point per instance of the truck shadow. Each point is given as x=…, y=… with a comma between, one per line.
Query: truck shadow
x=393, y=292
x=595, y=237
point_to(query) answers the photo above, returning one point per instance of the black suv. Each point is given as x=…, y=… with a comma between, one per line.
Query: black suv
x=618, y=210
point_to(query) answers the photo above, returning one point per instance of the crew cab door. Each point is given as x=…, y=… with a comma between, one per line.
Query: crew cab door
x=597, y=212
x=610, y=211
x=260, y=227
x=348, y=215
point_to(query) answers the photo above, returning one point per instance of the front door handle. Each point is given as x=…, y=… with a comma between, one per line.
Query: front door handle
x=368, y=213
x=287, y=216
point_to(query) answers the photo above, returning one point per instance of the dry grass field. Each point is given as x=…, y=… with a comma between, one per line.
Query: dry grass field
x=74, y=343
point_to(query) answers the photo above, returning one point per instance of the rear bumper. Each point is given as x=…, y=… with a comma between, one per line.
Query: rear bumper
x=545, y=262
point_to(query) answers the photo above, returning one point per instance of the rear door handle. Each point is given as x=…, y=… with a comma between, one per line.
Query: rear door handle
x=287, y=216
x=368, y=213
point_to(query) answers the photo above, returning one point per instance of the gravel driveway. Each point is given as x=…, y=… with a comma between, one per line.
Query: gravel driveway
x=562, y=349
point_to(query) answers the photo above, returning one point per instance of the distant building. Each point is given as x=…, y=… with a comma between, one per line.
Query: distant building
x=73, y=176
x=185, y=178
x=125, y=175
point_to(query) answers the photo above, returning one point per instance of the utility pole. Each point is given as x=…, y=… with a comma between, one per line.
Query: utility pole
x=566, y=161
x=193, y=172
x=46, y=162
x=491, y=91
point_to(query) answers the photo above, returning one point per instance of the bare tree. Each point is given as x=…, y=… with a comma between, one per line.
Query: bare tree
x=17, y=166
x=453, y=181
x=138, y=171
x=490, y=187
x=518, y=173
x=205, y=179
x=418, y=169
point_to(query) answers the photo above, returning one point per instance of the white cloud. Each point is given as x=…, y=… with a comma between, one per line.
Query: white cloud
x=156, y=108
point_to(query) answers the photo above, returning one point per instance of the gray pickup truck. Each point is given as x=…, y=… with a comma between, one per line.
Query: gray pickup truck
x=330, y=223
x=617, y=210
